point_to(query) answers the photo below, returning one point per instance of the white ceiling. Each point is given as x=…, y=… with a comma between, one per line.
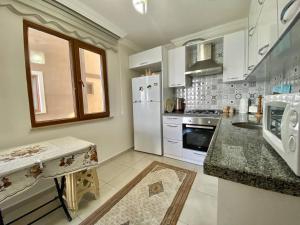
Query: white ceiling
x=167, y=19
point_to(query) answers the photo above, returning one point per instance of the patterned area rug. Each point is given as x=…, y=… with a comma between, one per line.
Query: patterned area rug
x=155, y=197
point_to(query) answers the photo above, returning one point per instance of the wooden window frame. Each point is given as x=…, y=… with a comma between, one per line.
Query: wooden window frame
x=74, y=46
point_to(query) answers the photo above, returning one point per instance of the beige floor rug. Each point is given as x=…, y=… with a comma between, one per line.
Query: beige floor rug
x=155, y=197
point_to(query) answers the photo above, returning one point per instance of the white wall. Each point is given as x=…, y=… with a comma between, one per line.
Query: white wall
x=112, y=136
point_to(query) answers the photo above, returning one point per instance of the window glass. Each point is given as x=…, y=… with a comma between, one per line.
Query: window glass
x=51, y=76
x=92, y=81
x=66, y=78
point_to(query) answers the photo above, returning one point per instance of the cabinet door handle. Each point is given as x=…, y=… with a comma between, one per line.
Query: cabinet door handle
x=261, y=50
x=143, y=63
x=171, y=126
x=260, y=2
x=173, y=142
x=232, y=78
x=251, y=67
x=196, y=153
x=284, y=10
x=251, y=29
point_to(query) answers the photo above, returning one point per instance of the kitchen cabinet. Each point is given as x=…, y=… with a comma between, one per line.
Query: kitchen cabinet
x=173, y=148
x=252, y=49
x=172, y=135
x=254, y=12
x=235, y=56
x=176, y=67
x=145, y=58
x=172, y=120
x=173, y=131
x=267, y=29
x=193, y=156
x=287, y=10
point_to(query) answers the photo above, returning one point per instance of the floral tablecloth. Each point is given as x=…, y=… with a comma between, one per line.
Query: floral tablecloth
x=22, y=167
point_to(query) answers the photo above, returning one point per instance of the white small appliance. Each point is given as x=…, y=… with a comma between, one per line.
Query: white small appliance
x=281, y=127
x=147, y=114
x=244, y=106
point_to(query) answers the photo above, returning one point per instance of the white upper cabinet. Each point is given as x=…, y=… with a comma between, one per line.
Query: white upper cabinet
x=287, y=10
x=146, y=58
x=235, y=56
x=254, y=12
x=176, y=67
x=267, y=29
x=268, y=19
x=252, y=49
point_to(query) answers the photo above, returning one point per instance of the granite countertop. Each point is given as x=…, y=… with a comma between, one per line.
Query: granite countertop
x=242, y=155
x=182, y=114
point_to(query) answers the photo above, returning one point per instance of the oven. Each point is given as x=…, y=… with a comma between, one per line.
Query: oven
x=197, y=133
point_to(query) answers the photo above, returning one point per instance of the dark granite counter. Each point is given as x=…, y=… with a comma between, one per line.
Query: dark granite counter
x=182, y=114
x=242, y=155
x=174, y=114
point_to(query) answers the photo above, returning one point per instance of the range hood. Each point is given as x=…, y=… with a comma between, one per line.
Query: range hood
x=203, y=62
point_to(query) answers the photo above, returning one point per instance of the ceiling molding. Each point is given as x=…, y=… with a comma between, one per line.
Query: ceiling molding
x=92, y=15
x=130, y=44
x=216, y=31
x=54, y=17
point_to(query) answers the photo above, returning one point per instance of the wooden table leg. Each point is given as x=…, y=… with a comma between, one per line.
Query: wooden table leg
x=96, y=187
x=77, y=184
x=71, y=192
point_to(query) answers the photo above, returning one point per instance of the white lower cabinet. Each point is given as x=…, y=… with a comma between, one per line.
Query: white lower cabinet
x=173, y=148
x=193, y=156
x=173, y=143
x=173, y=131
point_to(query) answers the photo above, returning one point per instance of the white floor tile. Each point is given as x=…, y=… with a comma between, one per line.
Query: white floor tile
x=110, y=170
x=124, y=178
x=200, y=208
x=206, y=184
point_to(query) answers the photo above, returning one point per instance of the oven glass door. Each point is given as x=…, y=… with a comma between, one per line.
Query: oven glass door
x=274, y=119
x=197, y=137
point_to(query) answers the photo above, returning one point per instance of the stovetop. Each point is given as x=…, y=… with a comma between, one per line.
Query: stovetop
x=203, y=112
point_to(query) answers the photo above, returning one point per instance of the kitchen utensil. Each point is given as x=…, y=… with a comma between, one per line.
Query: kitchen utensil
x=179, y=104
x=169, y=106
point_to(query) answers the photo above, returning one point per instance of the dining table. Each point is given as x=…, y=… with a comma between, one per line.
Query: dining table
x=22, y=167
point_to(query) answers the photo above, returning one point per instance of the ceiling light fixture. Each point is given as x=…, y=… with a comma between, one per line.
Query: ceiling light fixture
x=140, y=6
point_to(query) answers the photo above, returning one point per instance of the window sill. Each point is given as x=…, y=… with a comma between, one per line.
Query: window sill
x=67, y=124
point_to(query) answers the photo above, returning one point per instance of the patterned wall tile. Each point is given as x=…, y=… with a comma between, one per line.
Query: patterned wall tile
x=209, y=92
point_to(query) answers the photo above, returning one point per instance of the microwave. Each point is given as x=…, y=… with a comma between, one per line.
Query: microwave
x=281, y=127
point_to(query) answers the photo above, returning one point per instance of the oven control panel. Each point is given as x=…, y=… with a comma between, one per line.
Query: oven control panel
x=201, y=120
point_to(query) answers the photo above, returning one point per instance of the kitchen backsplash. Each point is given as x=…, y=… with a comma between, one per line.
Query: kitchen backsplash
x=289, y=74
x=209, y=92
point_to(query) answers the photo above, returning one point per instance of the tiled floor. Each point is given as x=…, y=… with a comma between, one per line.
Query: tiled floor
x=200, y=207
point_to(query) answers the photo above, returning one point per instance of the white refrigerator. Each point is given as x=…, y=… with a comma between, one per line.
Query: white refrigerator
x=146, y=114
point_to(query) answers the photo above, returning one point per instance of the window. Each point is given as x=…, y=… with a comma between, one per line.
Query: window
x=66, y=78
